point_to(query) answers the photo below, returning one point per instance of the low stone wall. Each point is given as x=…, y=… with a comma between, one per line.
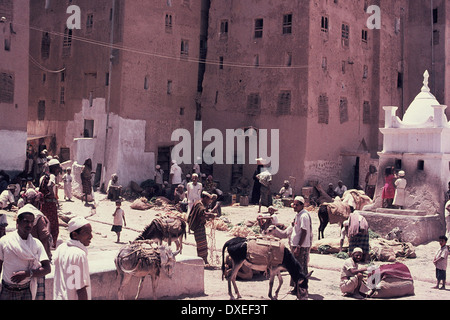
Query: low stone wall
x=187, y=280
x=417, y=229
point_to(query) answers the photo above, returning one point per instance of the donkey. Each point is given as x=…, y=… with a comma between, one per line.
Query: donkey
x=142, y=258
x=237, y=250
x=167, y=229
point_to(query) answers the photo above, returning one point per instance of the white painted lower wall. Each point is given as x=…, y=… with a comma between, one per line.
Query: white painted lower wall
x=13, y=145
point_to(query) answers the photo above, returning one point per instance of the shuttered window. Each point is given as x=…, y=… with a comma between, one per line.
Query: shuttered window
x=284, y=103
x=323, y=110
x=6, y=87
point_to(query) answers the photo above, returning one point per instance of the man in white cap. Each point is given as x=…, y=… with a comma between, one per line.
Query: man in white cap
x=301, y=236
x=72, y=279
x=352, y=275
x=22, y=261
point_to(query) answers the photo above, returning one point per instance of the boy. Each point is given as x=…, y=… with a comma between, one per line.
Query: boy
x=119, y=219
x=440, y=261
x=67, y=178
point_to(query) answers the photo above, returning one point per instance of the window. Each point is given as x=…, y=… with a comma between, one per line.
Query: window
x=184, y=48
x=88, y=131
x=343, y=110
x=90, y=22
x=253, y=104
x=324, y=63
x=6, y=87
x=364, y=36
x=324, y=24
x=436, y=35
x=7, y=43
x=146, y=83
x=41, y=110
x=63, y=76
x=288, y=59
x=221, y=63
x=343, y=66
x=435, y=15
x=168, y=22
x=67, y=42
x=365, y=72
x=398, y=164
x=107, y=79
x=224, y=28
x=284, y=103
x=420, y=165
x=366, y=112
x=169, y=86
x=256, y=60
x=62, y=99
x=287, y=23
x=259, y=28
x=400, y=80
x=323, y=110
x=345, y=34
x=45, y=46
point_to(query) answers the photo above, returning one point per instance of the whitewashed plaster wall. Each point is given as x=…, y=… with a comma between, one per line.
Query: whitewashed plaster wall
x=13, y=155
x=125, y=149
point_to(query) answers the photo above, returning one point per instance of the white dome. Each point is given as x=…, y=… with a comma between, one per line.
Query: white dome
x=420, y=110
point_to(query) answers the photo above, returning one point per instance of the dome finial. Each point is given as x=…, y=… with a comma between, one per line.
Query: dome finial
x=425, y=87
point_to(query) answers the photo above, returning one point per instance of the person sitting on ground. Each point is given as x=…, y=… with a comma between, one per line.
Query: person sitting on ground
x=286, y=190
x=265, y=220
x=114, y=188
x=340, y=189
x=352, y=275
x=7, y=197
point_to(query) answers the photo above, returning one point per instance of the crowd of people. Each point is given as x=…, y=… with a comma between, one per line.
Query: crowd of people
x=29, y=253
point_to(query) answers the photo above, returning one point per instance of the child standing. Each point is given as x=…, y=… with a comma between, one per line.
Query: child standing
x=119, y=220
x=440, y=261
x=67, y=178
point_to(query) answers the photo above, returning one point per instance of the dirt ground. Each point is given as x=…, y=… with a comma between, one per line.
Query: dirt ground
x=324, y=284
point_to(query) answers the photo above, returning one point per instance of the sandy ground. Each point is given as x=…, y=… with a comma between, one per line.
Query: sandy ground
x=324, y=284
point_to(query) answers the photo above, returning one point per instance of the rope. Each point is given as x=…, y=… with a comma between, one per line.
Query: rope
x=215, y=259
